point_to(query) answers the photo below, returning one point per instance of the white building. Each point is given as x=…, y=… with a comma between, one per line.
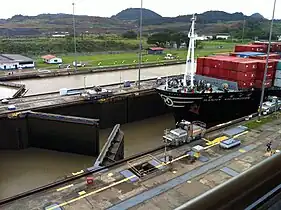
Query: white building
x=203, y=37
x=51, y=59
x=223, y=36
x=8, y=65
x=279, y=38
x=15, y=61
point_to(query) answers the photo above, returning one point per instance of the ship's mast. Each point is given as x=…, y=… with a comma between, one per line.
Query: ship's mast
x=190, y=55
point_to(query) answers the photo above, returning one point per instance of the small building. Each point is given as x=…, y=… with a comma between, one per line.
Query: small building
x=51, y=59
x=223, y=36
x=8, y=65
x=15, y=61
x=155, y=50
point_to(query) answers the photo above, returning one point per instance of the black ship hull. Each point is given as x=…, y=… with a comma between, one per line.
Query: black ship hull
x=213, y=108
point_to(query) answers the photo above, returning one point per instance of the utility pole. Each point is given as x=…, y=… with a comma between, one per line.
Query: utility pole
x=140, y=50
x=267, y=59
x=74, y=36
x=243, y=33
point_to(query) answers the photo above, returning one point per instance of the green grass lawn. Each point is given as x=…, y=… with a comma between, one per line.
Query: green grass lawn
x=131, y=58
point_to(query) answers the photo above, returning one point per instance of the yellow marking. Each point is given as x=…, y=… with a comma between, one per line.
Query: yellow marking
x=82, y=193
x=242, y=151
x=77, y=173
x=92, y=193
x=240, y=134
x=217, y=140
x=208, y=147
x=206, y=140
x=110, y=186
x=65, y=187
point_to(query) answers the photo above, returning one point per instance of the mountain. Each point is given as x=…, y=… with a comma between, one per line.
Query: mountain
x=134, y=14
x=210, y=22
x=257, y=16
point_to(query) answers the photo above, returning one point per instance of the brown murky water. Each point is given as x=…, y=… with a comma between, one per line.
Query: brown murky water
x=27, y=169
x=52, y=84
x=7, y=92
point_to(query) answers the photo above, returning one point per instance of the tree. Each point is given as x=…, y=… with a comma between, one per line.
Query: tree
x=180, y=38
x=159, y=39
x=130, y=35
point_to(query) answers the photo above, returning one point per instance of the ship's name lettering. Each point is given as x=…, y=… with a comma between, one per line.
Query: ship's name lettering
x=228, y=99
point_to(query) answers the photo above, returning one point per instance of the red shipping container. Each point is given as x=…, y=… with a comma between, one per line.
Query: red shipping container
x=263, y=57
x=215, y=63
x=232, y=75
x=258, y=83
x=200, y=61
x=278, y=47
x=226, y=73
x=259, y=43
x=250, y=48
x=269, y=75
x=262, y=64
x=227, y=64
x=275, y=46
x=245, y=76
x=246, y=65
x=223, y=73
x=214, y=72
x=199, y=70
x=245, y=84
x=206, y=71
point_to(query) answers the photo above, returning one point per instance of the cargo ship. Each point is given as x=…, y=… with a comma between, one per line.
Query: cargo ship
x=223, y=87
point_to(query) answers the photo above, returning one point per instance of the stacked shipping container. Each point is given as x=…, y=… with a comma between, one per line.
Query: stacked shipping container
x=246, y=65
x=229, y=68
x=247, y=73
x=260, y=73
x=275, y=46
x=250, y=48
x=277, y=81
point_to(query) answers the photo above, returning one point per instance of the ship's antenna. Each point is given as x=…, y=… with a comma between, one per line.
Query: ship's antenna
x=190, y=55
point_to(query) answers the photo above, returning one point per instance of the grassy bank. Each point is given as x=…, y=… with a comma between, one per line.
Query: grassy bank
x=132, y=57
x=254, y=124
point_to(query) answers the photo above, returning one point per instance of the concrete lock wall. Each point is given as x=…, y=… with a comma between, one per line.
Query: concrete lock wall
x=54, y=132
x=145, y=106
x=119, y=110
x=13, y=133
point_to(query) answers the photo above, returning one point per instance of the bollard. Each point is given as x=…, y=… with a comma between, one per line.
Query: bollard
x=90, y=180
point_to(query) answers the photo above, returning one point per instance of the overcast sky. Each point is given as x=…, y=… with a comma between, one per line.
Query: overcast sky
x=107, y=8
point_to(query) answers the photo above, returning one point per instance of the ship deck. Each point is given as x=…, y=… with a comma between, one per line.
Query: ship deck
x=165, y=185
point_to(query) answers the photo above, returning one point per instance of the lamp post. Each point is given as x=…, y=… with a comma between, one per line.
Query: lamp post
x=140, y=50
x=267, y=59
x=74, y=36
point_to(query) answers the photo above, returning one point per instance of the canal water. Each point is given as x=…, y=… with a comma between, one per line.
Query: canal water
x=7, y=92
x=27, y=169
x=53, y=84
